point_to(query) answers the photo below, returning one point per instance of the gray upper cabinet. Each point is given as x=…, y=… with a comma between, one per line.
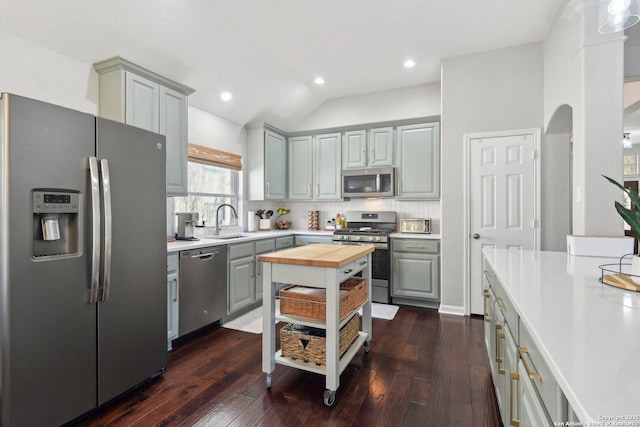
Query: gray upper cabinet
x=327, y=173
x=301, y=168
x=134, y=95
x=372, y=148
x=266, y=163
x=418, y=161
x=314, y=167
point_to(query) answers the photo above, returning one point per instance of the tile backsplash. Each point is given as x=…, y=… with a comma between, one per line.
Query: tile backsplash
x=328, y=210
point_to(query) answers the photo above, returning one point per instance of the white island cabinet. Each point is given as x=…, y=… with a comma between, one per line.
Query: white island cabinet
x=318, y=266
x=563, y=347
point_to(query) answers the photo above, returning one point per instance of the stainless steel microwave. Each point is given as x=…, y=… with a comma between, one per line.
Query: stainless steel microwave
x=368, y=182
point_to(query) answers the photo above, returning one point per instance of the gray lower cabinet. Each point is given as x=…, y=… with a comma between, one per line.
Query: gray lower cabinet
x=173, y=263
x=242, y=280
x=304, y=239
x=245, y=271
x=418, y=161
x=415, y=271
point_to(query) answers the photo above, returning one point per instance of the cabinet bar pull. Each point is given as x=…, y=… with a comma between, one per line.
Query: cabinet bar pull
x=348, y=271
x=499, y=355
x=310, y=190
x=268, y=190
x=501, y=304
x=514, y=377
x=414, y=247
x=317, y=190
x=486, y=312
x=175, y=285
x=498, y=358
x=532, y=375
x=363, y=262
x=253, y=268
x=364, y=157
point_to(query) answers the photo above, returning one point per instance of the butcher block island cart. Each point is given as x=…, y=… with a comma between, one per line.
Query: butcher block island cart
x=317, y=266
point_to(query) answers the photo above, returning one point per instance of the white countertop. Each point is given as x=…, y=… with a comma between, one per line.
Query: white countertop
x=415, y=236
x=588, y=333
x=183, y=245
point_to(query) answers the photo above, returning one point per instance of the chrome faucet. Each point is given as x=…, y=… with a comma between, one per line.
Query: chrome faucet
x=234, y=214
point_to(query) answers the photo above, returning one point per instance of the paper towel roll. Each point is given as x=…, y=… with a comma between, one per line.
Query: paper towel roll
x=251, y=221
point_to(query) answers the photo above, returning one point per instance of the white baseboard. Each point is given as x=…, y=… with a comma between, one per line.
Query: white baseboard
x=451, y=309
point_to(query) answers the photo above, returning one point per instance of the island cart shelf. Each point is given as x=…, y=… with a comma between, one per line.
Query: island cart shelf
x=319, y=266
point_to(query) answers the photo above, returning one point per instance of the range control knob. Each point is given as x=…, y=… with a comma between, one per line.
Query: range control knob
x=358, y=237
x=371, y=238
x=378, y=238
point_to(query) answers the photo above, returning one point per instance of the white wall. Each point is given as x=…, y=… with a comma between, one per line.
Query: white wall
x=388, y=105
x=491, y=91
x=36, y=72
x=215, y=132
x=584, y=70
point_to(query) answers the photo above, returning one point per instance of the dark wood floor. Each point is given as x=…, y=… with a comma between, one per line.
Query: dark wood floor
x=423, y=369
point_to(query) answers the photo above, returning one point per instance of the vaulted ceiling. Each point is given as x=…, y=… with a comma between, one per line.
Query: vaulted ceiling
x=267, y=53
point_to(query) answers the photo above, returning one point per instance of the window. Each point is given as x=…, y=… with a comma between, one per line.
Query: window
x=631, y=164
x=210, y=185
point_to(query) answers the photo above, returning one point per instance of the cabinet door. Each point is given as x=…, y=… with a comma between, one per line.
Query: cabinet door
x=142, y=103
x=416, y=275
x=172, y=298
x=327, y=171
x=241, y=283
x=173, y=124
x=275, y=166
x=418, y=161
x=354, y=150
x=300, y=168
x=530, y=409
x=381, y=147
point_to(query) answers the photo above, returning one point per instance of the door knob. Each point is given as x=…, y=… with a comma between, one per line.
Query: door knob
x=476, y=236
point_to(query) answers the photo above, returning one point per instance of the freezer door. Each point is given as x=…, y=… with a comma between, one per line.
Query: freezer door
x=48, y=327
x=132, y=312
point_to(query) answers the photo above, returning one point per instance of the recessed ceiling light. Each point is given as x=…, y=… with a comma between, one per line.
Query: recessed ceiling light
x=409, y=63
x=226, y=96
x=319, y=80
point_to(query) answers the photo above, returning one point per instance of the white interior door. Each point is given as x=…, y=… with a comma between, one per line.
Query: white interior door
x=503, y=199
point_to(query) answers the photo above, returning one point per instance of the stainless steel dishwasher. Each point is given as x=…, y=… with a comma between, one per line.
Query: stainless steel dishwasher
x=203, y=287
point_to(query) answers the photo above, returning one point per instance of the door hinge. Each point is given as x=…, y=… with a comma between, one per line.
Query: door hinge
x=534, y=154
x=534, y=223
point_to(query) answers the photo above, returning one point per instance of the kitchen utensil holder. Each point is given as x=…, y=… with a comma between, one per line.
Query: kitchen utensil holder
x=265, y=224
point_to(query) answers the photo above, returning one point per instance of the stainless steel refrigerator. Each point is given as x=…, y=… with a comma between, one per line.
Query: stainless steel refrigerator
x=83, y=308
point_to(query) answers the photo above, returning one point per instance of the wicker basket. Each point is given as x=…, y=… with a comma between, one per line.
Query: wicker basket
x=310, y=344
x=311, y=302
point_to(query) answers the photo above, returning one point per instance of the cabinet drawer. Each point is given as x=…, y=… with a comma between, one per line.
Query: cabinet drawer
x=241, y=250
x=172, y=262
x=346, y=271
x=506, y=307
x=539, y=374
x=284, y=242
x=416, y=245
x=309, y=240
x=264, y=246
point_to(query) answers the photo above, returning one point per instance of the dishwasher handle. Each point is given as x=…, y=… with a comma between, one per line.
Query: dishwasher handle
x=206, y=256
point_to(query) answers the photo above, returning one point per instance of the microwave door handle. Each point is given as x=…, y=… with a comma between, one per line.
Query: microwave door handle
x=95, y=230
x=377, y=183
x=108, y=227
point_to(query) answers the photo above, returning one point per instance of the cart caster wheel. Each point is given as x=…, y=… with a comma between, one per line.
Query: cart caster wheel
x=366, y=346
x=268, y=381
x=329, y=397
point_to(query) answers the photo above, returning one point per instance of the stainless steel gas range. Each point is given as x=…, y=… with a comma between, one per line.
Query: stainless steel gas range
x=370, y=227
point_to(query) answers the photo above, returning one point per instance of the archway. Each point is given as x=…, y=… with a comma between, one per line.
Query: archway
x=557, y=180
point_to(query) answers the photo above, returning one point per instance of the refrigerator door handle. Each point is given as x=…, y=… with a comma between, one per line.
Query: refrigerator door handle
x=95, y=227
x=107, y=241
